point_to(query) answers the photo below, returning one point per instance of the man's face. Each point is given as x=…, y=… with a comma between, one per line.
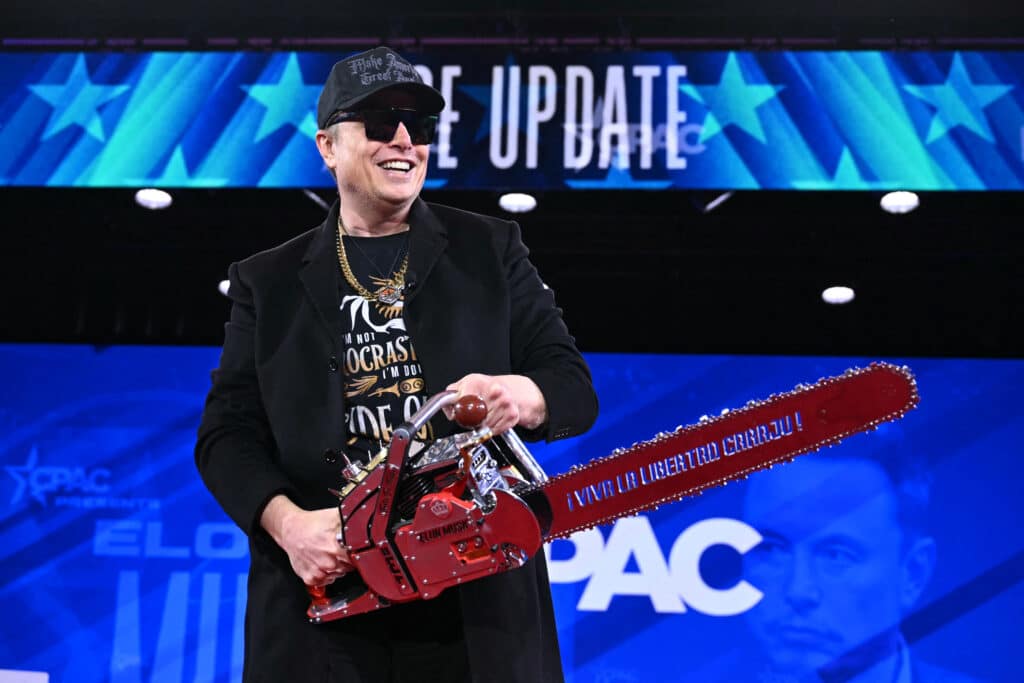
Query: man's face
x=373, y=171
x=832, y=564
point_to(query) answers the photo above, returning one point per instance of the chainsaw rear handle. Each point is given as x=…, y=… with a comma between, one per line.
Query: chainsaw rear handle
x=469, y=411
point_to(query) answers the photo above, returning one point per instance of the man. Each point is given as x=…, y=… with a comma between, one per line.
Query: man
x=844, y=557
x=339, y=335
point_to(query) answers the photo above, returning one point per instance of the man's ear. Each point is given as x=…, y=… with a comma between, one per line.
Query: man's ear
x=328, y=148
x=918, y=565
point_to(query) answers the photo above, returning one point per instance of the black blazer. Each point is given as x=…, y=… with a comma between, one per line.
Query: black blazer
x=474, y=303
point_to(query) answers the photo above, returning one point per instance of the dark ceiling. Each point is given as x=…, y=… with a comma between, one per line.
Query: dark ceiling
x=634, y=271
x=912, y=23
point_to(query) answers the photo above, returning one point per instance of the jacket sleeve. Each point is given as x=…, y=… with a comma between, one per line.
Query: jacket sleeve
x=235, y=450
x=543, y=350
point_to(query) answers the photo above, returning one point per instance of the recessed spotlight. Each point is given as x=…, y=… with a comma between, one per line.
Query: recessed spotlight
x=152, y=198
x=837, y=295
x=900, y=202
x=223, y=286
x=517, y=202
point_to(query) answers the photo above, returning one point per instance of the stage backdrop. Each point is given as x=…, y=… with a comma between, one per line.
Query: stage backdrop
x=117, y=565
x=844, y=120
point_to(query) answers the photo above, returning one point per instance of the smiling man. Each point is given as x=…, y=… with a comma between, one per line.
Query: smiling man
x=337, y=337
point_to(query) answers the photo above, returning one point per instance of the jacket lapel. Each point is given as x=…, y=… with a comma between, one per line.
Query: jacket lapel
x=319, y=274
x=427, y=240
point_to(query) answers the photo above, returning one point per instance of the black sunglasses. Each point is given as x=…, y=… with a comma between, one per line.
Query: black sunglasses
x=382, y=124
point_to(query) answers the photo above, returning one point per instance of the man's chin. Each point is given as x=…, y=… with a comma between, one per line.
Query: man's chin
x=399, y=196
x=799, y=662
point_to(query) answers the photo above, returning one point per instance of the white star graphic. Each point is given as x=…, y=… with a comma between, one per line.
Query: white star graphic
x=176, y=174
x=21, y=474
x=732, y=101
x=76, y=101
x=289, y=101
x=846, y=177
x=959, y=102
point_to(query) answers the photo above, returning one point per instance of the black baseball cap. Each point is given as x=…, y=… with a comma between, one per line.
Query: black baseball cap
x=355, y=78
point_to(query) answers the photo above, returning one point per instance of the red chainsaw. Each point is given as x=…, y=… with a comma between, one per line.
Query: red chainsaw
x=475, y=504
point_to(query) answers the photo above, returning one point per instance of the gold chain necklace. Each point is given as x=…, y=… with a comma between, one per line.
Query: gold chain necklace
x=388, y=295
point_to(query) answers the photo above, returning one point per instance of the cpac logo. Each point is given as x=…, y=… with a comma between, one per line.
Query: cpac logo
x=41, y=481
x=672, y=585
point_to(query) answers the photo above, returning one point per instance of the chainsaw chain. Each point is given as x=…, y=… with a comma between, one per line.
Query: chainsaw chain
x=706, y=420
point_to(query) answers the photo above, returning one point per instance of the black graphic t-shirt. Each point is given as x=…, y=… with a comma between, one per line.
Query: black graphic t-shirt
x=384, y=386
x=383, y=380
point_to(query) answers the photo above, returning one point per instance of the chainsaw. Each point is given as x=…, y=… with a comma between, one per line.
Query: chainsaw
x=477, y=504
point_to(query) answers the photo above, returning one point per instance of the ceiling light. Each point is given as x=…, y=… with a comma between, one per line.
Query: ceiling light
x=317, y=199
x=837, y=295
x=717, y=201
x=223, y=286
x=152, y=198
x=517, y=202
x=899, y=202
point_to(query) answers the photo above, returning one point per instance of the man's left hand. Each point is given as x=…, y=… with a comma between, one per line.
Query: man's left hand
x=511, y=400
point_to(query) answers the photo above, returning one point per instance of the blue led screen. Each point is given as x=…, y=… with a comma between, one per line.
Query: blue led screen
x=847, y=120
x=117, y=565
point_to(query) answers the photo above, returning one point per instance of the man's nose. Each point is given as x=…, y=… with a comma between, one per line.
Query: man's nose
x=401, y=137
x=802, y=590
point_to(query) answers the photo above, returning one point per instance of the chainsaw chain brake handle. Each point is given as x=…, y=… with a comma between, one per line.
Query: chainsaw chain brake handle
x=467, y=523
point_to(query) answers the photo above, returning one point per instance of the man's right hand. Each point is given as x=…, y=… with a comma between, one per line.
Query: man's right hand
x=310, y=538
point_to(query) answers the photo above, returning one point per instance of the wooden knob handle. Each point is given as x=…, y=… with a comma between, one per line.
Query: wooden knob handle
x=318, y=595
x=469, y=411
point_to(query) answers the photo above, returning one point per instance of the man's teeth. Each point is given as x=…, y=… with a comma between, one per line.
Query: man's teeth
x=404, y=166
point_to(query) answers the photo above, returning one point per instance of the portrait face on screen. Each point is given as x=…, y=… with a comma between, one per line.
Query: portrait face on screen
x=837, y=566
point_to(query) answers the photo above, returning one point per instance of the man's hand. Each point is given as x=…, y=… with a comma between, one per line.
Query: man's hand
x=310, y=538
x=511, y=400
